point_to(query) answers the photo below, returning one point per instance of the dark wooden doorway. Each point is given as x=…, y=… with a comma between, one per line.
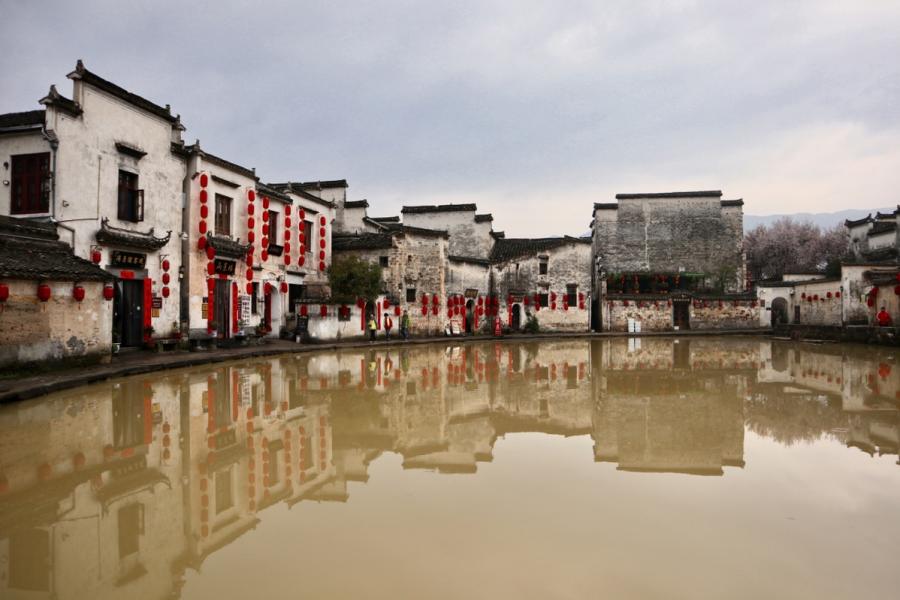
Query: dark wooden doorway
x=681, y=314
x=223, y=308
x=470, y=316
x=516, y=321
x=128, y=312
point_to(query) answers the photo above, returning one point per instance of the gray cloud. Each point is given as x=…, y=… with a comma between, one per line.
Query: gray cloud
x=523, y=107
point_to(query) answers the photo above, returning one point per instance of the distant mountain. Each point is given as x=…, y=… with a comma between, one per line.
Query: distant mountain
x=824, y=220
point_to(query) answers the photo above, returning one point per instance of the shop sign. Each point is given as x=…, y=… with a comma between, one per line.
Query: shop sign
x=225, y=267
x=128, y=260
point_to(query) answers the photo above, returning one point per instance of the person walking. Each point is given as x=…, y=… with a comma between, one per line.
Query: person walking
x=373, y=328
x=388, y=325
x=404, y=325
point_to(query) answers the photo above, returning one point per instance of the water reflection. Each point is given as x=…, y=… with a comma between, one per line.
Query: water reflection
x=120, y=489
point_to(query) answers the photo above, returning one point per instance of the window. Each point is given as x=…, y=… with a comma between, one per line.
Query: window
x=223, y=215
x=224, y=497
x=273, y=227
x=253, y=298
x=30, y=183
x=307, y=235
x=296, y=292
x=544, y=300
x=410, y=294
x=274, y=470
x=572, y=294
x=344, y=313
x=131, y=526
x=383, y=261
x=542, y=268
x=131, y=199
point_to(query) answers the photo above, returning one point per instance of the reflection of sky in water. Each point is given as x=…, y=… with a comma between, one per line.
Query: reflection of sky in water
x=707, y=468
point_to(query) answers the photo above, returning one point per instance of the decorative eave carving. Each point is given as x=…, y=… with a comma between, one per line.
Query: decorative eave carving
x=226, y=247
x=115, y=236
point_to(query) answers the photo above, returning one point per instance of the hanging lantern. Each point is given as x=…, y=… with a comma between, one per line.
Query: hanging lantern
x=265, y=204
x=284, y=287
x=397, y=311
x=265, y=242
x=301, y=261
x=251, y=195
x=108, y=292
x=165, y=264
x=202, y=227
x=287, y=222
x=251, y=237
x=837, y=294
x=267, y=288
x=165, y=292
x=424, y=310
x=322, y=221
x=210, y=252
x=204, y=197
x=449, y=312
x=251, y=222
x=204, y=179
x=204, y=211
x=323, y=310
x=166, y=278
x=96, y=256
x=387, y=303
x=201, y=243
x=304, y=310
x=287, y=210
x=249, y=274
x=78, y=293
x=322, y=243
x=264, y=255
x=211, y=268
x=321, y=255
x=43, y=292
x=287, y=248
x=434, y=310
x=435, y=300
x=251, y=209
x=265, y=228
x=829, y=294
x=321, y=265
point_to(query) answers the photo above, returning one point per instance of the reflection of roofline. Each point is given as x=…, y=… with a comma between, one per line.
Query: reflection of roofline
x=196, y=560
x=706, y=471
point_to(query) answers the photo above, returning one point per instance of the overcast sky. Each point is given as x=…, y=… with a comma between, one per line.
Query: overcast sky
x=533, y=110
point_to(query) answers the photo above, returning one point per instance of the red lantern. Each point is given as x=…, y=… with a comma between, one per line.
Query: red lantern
x=211, y=268
x=828, y=295
x=284, y=287
x=264, y=255
x=265, y=203
x=201, y=243
x=387, y=303
x=323, y=311
x=251, y=195
x=78, y=293
x=166, y=278
x=4, y=292
x=251, y=222
x=202, y=227
x=301, y=261
x=108, y=292
x=322, y=244
x=249, y=274
x=165, y=265
x=268, y=288
x=287, y=233
x=424, y=310
x=837, y=294
x=435, y=300
x=204, y=212
x=321, y=232
x=322, y=221
x=96, y=257
x=251, y=209
x=287, y=247
x=321, y=255
x=249, y=288
x=449, y=312
x=304, y=310
x=287, y=222
x=397, y=311
x=210, y=252
x=265, y=242
x=251, y=237
x=204, y=179
x=204, y=196
x=43, y=292
x=287, y=209
x=434, y=310
x=265, y=228
x=287, y=259
x=321, y=265
x=165, y=292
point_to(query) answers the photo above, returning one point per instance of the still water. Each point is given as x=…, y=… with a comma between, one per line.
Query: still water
x=654, y=468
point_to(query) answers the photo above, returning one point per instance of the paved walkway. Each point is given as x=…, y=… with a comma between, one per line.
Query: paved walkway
x=135, y=363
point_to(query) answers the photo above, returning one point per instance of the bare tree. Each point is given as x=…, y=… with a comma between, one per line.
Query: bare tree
x=787, y=245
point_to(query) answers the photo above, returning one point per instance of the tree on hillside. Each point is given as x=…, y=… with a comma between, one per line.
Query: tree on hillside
x=787, y=245
x=351, y=278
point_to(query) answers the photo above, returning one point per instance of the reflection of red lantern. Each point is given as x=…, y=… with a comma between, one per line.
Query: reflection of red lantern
x=304, y=310
x=108, y=292
x=424, y=310
x=78, y=293
x=397, y=311
x=43, y=292
x=323, y=311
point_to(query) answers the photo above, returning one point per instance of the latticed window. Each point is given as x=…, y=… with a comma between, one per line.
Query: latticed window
x=223, y=215
x=30, y=183
x=131, y=199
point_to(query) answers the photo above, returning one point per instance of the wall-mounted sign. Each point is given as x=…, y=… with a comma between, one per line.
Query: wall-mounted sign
x=157, y=302
x=244, y=302
x=471, y=293
x=132, y=260
x=225, y=267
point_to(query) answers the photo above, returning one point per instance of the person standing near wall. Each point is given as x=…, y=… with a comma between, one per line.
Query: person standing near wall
x=388, y=325
x=883, y=318
x=373, y=328
x=404, y=325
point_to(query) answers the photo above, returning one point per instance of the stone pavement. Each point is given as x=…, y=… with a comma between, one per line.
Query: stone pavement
x=135, y=363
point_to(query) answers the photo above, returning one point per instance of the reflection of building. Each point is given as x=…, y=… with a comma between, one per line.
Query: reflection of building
x=128, y=484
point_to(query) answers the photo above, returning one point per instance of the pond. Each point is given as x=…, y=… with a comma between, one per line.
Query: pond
x=639, y=468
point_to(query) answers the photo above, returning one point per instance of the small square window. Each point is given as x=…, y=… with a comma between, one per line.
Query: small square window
x=572, y=294
x=544, y=300
x=542, y=269
x=383, y=261
x=410, y=294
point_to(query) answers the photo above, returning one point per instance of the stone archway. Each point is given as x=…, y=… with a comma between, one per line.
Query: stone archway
x=779, y=313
